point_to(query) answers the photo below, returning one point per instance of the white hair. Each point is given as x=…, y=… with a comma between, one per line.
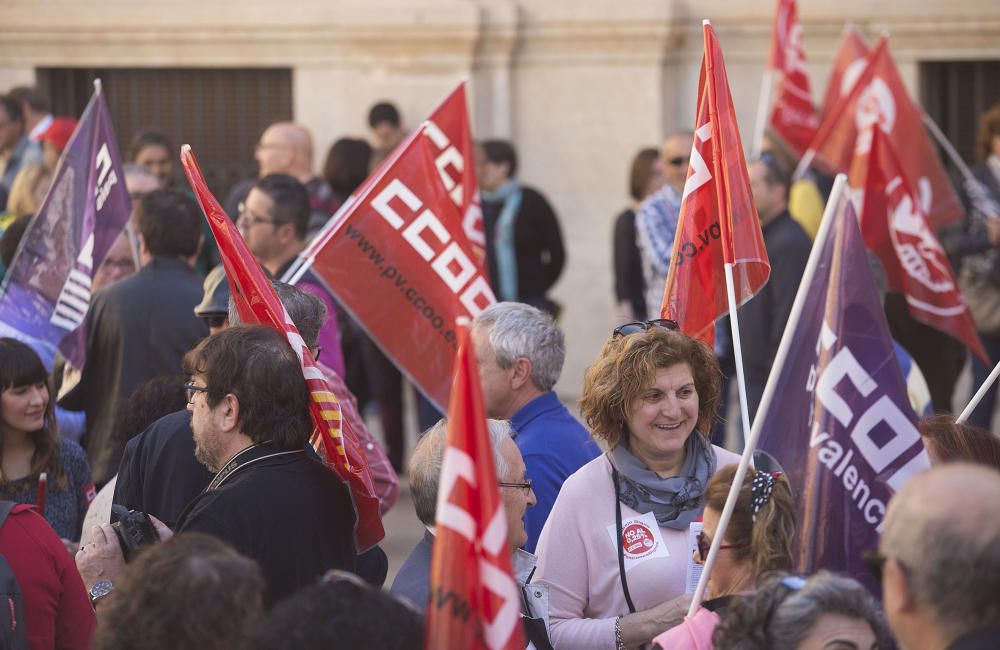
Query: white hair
x=518, y=330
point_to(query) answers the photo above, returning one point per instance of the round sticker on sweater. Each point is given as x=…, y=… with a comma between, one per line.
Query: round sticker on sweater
x=641, y=539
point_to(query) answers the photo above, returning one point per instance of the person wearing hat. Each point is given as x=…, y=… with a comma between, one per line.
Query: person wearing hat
x=214, y=306
x=54, y=140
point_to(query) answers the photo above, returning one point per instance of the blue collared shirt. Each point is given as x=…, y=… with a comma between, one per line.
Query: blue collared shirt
x=554, y=445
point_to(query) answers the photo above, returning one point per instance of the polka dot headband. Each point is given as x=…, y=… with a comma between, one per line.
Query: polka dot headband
x=761, y=489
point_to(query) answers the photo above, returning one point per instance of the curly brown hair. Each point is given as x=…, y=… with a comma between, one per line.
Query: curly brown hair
x=989, y=128
x=627, y=365
x=766, y=544
x=192, y=591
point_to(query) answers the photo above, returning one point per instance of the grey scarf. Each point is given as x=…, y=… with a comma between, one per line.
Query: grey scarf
x=674, y=501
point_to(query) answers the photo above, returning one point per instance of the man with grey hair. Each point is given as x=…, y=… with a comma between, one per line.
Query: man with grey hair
x=520, y=352
x=412, y=583
x=940, y=559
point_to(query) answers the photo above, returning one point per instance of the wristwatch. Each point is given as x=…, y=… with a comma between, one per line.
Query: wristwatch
x=100, y=590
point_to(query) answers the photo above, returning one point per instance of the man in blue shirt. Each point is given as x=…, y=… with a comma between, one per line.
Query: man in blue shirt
x=520, y=351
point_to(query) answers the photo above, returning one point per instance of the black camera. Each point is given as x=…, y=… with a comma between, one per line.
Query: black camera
x=134, y=530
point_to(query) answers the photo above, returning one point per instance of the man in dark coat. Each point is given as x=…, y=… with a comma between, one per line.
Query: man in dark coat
x=141, y=327
x=763, y=318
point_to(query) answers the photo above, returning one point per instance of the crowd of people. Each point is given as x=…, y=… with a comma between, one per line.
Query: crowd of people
x=168, y=496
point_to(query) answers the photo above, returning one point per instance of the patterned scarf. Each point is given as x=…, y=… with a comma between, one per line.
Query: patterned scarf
x=674, y=501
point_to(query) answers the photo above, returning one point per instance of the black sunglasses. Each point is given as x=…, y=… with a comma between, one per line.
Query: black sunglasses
x=704, y=544
x=216, y=321
x=677, y=161
x=645, y=326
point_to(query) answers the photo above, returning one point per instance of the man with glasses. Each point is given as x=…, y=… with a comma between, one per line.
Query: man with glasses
x=140, y=327
x=274, y=221
x=656, y=219
x=412, y=583
x=939, y=559
x=16, y=148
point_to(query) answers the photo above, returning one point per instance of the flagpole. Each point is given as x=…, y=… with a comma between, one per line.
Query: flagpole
x=978, y=397
x=832, y=204
x=763, y=103
x=983, y=201
x=304, y=261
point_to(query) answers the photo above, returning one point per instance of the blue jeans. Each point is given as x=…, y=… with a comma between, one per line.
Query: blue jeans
x=984, y=412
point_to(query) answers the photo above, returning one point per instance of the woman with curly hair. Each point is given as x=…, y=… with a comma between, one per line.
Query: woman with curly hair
x=614, y=549
x=757, y=541
x=30, y=446
x=792, y=613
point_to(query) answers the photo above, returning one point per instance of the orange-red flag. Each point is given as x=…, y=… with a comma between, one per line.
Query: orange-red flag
x=896, y=228
x=793, y=117
x=475, y=602
x=847, y=67
x=879, y=97
x=258, y=303
x=718, y=223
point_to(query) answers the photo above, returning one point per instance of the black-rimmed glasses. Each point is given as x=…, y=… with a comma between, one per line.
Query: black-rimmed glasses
x=645, y=326
x=524, y=485
x=192, y=389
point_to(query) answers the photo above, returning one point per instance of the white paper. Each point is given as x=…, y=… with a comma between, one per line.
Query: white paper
x=693, y=568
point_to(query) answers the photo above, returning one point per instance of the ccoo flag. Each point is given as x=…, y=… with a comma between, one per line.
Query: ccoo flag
x=896, y=228
x=879, y=97
x=847, y=67
x=844, y=431
x=718, y=223
x=475, y=602
x=793, y=117
x=46, y=292
x=257, y=302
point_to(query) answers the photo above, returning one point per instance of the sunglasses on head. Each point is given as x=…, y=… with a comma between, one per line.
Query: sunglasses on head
x=645, y=326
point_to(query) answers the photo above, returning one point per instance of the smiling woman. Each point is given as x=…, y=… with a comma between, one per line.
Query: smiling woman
x=650, y=396
x=30, y=445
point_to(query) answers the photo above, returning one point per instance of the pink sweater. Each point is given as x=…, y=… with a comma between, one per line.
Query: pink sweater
x=578, y=559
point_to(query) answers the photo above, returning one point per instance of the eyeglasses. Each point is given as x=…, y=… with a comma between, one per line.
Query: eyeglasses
x=316, y=351
x=645, y=326
x=677, y=161
x=216, y=321
x=704, y=543
x=524, y=485
x=252, y=219
x=192, y=389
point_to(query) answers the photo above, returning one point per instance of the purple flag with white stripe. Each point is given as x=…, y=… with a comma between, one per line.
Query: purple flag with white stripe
x=843, y=430
x=46, y=292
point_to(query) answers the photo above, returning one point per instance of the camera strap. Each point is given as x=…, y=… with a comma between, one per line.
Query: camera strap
x=255, y=453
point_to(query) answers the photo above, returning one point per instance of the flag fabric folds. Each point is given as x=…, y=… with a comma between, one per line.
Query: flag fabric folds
x=793, y=116
x=401, y=264
x=257, y=302
x=475, y=602
x=847, y=67
x=844, y=431
x=896, y=228
x=718, y=223
x=879, y=97
x=46, y=292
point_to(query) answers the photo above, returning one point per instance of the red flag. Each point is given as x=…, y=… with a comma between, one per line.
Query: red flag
x=847, y=67
x=475, y=602
x=793, y=117
x=401, y=264
x=896, y=228
x=879, y=97
x=451, y=143
x=258, y=303
x=718, y=222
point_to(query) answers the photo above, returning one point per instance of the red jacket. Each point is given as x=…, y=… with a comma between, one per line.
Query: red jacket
x=56, y=604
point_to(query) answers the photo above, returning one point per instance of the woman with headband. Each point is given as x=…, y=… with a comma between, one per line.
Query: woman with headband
x=757, y=541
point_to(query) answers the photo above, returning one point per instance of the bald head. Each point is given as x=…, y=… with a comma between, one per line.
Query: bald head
x=675, y=156
x=943, y=531
x=286, y=148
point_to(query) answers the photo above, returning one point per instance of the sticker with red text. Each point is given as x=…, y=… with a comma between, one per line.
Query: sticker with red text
x=641, y=540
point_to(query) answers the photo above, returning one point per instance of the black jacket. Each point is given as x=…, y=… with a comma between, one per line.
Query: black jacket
x=137, y=329
x=538, y=246
x=630, y=285
x=288, y=512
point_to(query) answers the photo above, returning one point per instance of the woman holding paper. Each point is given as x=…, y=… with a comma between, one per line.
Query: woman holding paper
x=614, y=551
x=36, y=466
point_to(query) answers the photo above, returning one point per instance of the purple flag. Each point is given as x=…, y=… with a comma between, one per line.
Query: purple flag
x=46, y=292
x=843, y=430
